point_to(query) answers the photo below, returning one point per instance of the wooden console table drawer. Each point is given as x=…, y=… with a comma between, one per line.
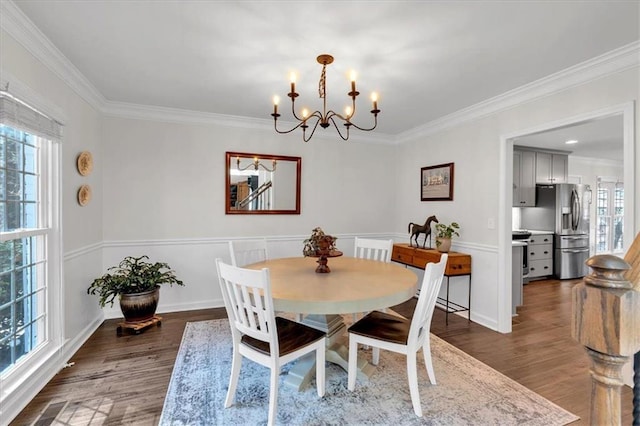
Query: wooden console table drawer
x=457, y=264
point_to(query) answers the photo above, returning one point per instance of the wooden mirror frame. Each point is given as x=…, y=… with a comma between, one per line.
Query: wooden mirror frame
x=269, y=157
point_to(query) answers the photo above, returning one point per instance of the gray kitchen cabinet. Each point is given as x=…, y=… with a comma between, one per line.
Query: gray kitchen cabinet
x=552, y=168
x=524, y=178
x=540, y=255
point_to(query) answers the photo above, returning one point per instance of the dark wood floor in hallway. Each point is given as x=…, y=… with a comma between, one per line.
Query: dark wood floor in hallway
x=123, y=380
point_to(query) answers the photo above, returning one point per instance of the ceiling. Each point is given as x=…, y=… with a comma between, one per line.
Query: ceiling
x=602, y=138
x=426, y=59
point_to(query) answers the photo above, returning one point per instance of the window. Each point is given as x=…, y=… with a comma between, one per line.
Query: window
x=609, y=216
x=30, y=289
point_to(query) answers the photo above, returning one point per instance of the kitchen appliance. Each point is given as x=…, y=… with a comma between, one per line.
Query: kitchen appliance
x=564, y=208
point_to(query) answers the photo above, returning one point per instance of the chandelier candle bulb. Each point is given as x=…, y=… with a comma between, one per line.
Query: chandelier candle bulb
x=293, y=82
x=374, y=98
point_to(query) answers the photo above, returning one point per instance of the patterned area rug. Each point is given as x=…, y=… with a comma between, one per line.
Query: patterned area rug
x=468, y=392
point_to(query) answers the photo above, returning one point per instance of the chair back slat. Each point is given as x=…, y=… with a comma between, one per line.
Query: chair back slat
x=248, y=301
x=431, y=283
x=246, y=252
x=366, y=248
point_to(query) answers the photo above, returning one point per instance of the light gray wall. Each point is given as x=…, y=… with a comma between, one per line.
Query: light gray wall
x=165, y=197
x=475, y=148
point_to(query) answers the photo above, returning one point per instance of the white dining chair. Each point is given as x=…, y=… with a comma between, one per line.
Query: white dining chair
x=394, y=333
x=261, y=336
x=372, y=249
x=245, y=252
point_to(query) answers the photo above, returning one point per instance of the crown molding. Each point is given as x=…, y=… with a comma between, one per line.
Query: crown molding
x=181, y=116
x=612, y=62
x=16, y=24
x=597, y=161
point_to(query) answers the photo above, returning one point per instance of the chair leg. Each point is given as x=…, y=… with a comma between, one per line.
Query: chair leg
x=236, y=363
x=353, y=363
x=375, y=358
x=320, y=369
x=426, y=351
x=273, y=395
x=412, y=374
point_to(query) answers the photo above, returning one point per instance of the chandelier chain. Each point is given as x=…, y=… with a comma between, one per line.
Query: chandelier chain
x=323, y=82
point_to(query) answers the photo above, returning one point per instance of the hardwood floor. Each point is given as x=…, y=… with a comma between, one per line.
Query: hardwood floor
x=123, y=380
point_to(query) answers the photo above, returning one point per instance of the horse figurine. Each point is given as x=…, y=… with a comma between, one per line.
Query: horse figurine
x=415, y=230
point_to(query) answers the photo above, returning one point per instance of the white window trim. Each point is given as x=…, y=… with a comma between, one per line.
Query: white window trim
x=21, y=383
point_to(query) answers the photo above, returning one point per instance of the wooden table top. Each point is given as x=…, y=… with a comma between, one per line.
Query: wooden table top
x=353, y=285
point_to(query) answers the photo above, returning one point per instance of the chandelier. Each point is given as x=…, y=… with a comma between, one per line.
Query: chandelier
x=324, y=118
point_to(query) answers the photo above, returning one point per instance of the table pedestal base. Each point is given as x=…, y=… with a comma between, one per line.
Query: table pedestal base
x=337, y=352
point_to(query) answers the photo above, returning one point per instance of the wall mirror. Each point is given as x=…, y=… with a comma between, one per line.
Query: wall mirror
x=262, y=183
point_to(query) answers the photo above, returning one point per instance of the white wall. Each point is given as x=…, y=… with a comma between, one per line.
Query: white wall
x=482, y=168
x=165, y=197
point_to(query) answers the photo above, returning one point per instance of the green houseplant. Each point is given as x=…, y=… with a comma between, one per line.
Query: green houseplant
x=136, y=282
x=444, y=233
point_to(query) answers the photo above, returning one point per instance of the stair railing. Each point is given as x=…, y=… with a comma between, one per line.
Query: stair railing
x=260, y=194
x=606, y=320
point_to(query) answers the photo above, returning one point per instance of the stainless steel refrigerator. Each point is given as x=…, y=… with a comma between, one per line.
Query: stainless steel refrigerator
x=563, y=208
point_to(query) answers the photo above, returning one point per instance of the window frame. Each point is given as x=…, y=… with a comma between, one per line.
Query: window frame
x=23, y=378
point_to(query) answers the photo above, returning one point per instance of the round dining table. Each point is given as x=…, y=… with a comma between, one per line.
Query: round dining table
x=353, y=285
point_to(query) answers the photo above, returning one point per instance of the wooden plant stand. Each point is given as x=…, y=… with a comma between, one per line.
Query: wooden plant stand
x=138, y=327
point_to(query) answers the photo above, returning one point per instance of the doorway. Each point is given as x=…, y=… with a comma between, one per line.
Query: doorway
x=626, y=111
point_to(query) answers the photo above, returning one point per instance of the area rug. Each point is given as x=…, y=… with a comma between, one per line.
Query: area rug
x=468, y=392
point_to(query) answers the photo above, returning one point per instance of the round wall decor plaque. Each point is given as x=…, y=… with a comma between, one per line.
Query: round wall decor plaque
x=84, y=195
x=85, y=163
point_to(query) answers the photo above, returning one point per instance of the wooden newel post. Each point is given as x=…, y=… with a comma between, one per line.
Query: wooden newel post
x=606, y=320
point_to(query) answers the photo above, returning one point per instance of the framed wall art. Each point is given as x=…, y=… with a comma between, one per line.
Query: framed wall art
x=436, y=182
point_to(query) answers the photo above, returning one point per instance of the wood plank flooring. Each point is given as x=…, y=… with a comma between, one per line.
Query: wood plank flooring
x=123, y=380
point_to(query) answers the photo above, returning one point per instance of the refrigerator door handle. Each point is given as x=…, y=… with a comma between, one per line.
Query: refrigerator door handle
x=575, y=251
x=575, y=210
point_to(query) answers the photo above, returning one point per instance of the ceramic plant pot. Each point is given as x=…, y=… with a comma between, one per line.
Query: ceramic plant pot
x=139, y=307
x=443, y=244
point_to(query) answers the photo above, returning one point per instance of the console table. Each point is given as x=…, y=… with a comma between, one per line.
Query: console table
x=458, y=264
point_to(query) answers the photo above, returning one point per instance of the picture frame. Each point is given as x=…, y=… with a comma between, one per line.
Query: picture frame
x=436, y=182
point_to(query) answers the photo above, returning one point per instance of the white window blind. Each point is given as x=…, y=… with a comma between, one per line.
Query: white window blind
x=17, y=114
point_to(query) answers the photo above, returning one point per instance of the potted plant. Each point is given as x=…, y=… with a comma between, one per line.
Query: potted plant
x=444, y=233
x=322, y=246
x=137, y=283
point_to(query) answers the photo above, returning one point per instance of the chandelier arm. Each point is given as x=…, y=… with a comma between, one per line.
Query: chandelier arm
x=375, y=123
x=332, y=113
x=315, y=126
x=344, y=138
x=283, y=132
x=293, y=109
